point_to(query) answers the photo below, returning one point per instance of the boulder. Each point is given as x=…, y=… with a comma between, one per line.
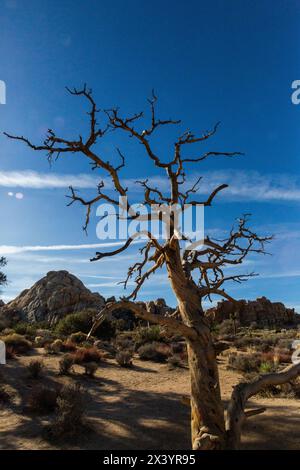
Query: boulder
x=261, y=311
x=57, y=294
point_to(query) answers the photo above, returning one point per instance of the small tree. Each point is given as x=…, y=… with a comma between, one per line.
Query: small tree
x=194, y=274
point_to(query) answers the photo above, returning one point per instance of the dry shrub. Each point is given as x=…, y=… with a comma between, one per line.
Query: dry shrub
x=90, y=368
x=35, y=368
x=244, y=362
x=124, y=343
x=84, y=355
x=42, y=400
x=155, y=352
x=69, y=419
x=66, y=364
x=4, y=395
x=175, y=361
x=124, y=358
x=55, y=347
x=18, y=343
x=10, y=353
x=69, y=346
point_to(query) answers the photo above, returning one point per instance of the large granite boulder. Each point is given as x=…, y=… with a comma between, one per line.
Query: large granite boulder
x=57, y=294
x=261, y=311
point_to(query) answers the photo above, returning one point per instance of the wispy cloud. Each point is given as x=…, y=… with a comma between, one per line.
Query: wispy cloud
x=13, y=249
x=250, y=185
x=36, y=180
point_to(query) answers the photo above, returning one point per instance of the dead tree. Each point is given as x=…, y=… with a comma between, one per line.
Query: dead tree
x=194, y=274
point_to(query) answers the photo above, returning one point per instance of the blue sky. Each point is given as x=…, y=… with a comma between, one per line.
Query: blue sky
x=228, y=60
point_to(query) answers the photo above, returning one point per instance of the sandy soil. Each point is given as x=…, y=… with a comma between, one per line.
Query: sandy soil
x=138, y=408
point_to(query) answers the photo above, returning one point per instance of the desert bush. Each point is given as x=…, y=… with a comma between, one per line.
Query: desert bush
x=10, y=353
x=124, y=358
x=69, y=419
x=25, y=329
x=5, y=396
x=35, y=369
x=175, y=361
x=178, y=348
x=54, y=347
x=267, y=367
x=244, y=362
x=90, y=368
x=81, y=321
x=125, y=343
x=282, y=355
x=78, y=337
x=66, y=364
x=39, y=342
x=226, y=327
x=7, y=331
x=18, y=343
x=42, y=399
x=83, y=355
x=147, y=334
x=68, y=346
x=154, y=351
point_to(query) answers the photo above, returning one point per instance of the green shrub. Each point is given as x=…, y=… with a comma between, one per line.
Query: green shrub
x=147, y=334
x=82, y=322
x=266, y=367
x=78, y=337
x=155, y=352
x=35, y=369
x=18, y=343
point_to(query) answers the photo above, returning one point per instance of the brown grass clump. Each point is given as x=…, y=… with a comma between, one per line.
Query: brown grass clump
x=35, y=368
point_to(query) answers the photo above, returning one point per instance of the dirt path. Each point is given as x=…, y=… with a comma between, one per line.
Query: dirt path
x=140, y=408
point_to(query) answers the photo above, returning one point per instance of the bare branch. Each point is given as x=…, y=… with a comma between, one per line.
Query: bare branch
x=241, y=394
x=140, y=310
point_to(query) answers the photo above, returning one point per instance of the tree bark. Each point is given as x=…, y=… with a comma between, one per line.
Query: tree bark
x=207, y=412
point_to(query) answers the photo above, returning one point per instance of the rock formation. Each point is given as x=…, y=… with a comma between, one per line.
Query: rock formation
x=57, y=294
x=261, y=311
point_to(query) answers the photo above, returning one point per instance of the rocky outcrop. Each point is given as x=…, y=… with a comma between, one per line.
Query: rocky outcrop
x=159, y=307
x=57, y=294
x=261, y=311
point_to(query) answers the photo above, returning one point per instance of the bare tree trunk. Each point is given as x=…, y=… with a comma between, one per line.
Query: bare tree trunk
x=207, y=412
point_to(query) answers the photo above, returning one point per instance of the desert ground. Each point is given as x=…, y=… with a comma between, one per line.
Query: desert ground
x=136, y=408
